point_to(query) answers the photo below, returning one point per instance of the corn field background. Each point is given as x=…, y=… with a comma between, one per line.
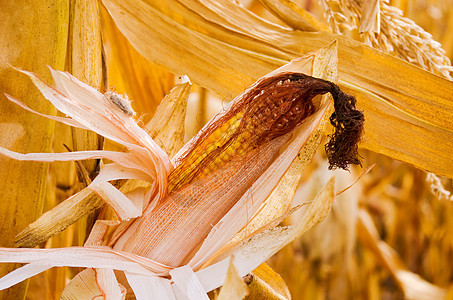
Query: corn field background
x=389, y=236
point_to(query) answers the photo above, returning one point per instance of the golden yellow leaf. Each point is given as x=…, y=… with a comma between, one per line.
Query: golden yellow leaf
x=129, y=72
x=33, y=35
x=85, y=62
x=265, y=283
x=293, y=15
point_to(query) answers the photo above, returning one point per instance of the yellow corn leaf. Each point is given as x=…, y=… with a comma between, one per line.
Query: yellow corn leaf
x=25, y=27
x=85, y=62
x=293, y=15
x=234, y=287
x=265, y=283
x=235, y=47
x=129, y=72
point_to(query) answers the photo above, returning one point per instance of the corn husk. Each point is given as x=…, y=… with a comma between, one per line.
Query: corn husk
x=234, y=286
x=75, y=207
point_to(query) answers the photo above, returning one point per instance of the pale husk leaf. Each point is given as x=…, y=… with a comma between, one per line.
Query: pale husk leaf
x=252, y=252
x=234, y=287
x=187, y=283
x=72, y=209
x=82, y=286
x=150, y=287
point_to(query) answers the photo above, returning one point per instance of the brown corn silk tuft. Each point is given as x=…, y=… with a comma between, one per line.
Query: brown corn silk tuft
x=342, y=148
x=226, y=158
x=274, y=107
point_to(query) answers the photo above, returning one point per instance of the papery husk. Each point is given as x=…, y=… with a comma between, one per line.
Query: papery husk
x=252, y=252
x=234, y=287
x=175, y=228
x=167, y=125
x=86, y=286
x=415, y=102
x=72, y=209
x=23, y=188
x=323, y=256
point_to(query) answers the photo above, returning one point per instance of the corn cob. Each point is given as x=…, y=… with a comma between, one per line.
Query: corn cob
x=273, y=107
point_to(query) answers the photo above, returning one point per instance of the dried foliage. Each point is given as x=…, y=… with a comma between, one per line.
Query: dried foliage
x=384, y=27
x=389, y=236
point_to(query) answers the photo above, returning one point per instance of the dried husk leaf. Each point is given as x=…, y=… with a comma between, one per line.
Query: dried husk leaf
x=72, y=209
x=265, y=283
x=167, y=125
x=150, y=287
x=23, y=192
x=187, y=285
x=189, y=213
x=417, y=98
x=252, y=252
x=234, y=287
x=82, y=286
